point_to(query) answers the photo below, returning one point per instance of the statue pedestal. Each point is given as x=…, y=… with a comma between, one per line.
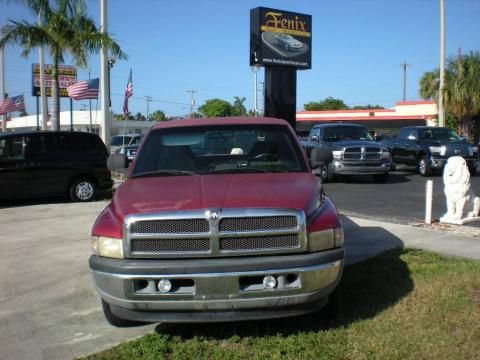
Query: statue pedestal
x=463, y=221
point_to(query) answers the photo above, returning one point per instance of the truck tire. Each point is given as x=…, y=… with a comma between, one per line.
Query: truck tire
x=326, y=175
x=82, y=190
x=473, y=170
x=380, y=178
x=114, y=320
x=424, y=168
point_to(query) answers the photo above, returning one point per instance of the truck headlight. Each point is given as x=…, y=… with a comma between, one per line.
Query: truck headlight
x=325, y=239
x=337, y=154
x=438, y=150
x=107, y=247
x=473, y=150
x=385, y=154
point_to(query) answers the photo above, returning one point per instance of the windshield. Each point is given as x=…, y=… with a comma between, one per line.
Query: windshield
x=219, y=149
x=118, y=140
x=340, y=133
x=439, y=134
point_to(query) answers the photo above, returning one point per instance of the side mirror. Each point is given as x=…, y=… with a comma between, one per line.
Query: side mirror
x=314, y=138
x=320, y=156
x=378, y=137
x=117, y=161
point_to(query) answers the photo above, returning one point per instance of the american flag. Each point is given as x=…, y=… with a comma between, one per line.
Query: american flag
x=87, y=89
x=128, y=93
x=11, y=104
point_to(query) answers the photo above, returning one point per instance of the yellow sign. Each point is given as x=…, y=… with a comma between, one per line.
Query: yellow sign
x=278, y=23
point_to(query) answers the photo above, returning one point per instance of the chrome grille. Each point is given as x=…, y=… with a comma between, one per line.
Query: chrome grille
x=180, y=226
x=259, y=243
x=359, y=153
x=215, y=233
x=258, y=223
x=170, y=245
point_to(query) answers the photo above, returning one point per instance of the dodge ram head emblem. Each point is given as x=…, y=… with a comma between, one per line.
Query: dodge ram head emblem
x=362, y=154
x=212, y=215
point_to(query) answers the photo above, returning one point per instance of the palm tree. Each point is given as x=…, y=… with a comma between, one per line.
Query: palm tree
x=65, y=29
x=429, y=85
x=238, y=105
x=462, y=91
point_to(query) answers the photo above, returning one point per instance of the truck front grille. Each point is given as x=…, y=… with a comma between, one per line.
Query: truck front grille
x=216, y=233
x=170, y=246
x=180, y=226
x=258, y=223
x=259, y=243
x=362, y=153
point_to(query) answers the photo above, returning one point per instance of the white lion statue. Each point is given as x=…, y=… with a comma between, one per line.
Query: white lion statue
x=461, y=201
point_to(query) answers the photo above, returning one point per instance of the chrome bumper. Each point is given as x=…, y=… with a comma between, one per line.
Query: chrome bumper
x=239, y=293
x=339, y=167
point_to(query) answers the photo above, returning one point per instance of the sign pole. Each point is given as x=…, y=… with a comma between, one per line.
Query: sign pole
x=38, y=115
x=71, y=114
x=104, y=89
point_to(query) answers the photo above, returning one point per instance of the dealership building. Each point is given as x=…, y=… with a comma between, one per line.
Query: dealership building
x=387, y=121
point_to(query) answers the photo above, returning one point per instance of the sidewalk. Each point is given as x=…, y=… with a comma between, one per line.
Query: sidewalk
x=365, y=238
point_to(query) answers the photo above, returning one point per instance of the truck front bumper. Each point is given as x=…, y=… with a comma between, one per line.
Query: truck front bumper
x=212, y=290
x=438, y=162
x=341, y=167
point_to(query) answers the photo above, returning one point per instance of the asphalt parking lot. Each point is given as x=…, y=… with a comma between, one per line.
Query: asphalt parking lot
x=400, y=200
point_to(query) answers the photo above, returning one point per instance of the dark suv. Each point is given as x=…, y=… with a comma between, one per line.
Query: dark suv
x=35, y=164
x=428, y=148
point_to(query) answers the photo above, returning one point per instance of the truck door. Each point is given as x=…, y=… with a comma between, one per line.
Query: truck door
x=14, y=175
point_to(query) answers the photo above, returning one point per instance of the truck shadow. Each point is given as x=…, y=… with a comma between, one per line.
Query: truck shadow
x=393, y=178
x=369, y=286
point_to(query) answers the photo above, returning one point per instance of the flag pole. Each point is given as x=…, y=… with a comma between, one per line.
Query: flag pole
x=71, y=114
x=2, y=88
x=90, y=106
x=105, y=119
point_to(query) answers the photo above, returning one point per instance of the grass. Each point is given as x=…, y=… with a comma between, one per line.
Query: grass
x=402, y=304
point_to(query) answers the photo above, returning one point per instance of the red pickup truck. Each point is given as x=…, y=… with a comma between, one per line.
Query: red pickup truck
x=218, y=220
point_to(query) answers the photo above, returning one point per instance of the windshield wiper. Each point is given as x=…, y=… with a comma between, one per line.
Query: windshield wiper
x=163, y=173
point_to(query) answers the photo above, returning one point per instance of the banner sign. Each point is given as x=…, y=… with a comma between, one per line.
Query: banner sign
x=67, y=75
x=280, y=38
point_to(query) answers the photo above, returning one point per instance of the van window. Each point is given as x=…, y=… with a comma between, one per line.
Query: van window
x=48, y=146
x=16, y=148
x=3, y=149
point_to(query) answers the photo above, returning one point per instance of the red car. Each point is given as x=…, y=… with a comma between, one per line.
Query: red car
x=219, y=220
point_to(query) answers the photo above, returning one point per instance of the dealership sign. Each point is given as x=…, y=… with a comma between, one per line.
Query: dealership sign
x=280, y=38
x=67, y=75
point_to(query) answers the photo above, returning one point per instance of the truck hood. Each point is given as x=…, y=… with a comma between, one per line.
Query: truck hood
x=339, y=145
x=172, y=193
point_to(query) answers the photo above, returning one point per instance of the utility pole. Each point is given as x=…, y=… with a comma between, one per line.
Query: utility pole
x=3, y=118
x=262, y=83
x=192, y=101
x=148, y=99
x=104, y=80
x=405, y=66
x=43, y=90
x=441, y=110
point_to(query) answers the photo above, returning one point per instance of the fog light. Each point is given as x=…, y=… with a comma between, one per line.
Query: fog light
x=164, y=285
x=269, y=282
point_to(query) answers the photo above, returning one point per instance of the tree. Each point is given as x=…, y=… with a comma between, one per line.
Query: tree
x=240, y=109
x=367, y=107
x=217, y=108
x=65, y=29
x=429, y=84
x=158, y=116
x=329, y=103
x=140, y=117
x=461, y=94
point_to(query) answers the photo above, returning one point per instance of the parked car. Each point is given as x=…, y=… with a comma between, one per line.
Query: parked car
x=428, y=148
x=198, y=233
x=119, y=141
x=288, y=42
x=35, y=164
x=355, y=152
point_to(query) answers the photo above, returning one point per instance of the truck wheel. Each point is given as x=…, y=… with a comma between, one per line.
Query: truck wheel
x=326, y=175
x=114, y=320
x=380, y=178
x=82, y=190
x=332, y=309
x=473, y=170
x=424, y=166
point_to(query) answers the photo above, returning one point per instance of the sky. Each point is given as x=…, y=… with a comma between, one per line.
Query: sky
x=203, y=45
